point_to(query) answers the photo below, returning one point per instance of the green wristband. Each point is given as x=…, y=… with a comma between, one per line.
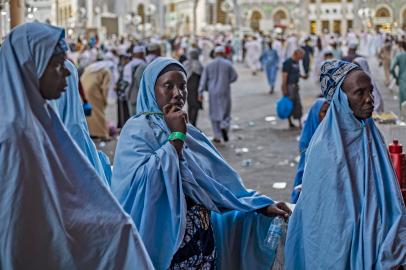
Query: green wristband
x=177, y=136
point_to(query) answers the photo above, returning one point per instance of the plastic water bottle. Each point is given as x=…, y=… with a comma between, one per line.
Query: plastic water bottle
x=275, y=233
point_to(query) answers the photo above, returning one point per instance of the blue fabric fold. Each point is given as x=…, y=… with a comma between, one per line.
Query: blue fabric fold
x=70, y=110
x=310, y=126
x=151, y=182
x=56, y=212
x=350, y=213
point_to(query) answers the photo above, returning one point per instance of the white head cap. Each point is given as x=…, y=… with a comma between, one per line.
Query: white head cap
x=139, y=49
x=220, y=49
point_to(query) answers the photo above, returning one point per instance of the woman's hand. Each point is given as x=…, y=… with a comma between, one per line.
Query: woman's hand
x=276, y=209
x=175, y=118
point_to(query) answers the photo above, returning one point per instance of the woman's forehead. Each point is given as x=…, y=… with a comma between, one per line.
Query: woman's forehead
x=356, y=76
x=356, y=79
x=172, y=75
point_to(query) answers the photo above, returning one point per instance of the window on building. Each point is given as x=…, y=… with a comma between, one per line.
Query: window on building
x=172, y=7
x=325, y=26
x=337, y=27
x=349, y=24
x=221, y=15
x=210, y=13
x=313, y=27
x=404, y=20
x=382, y=13
x=141, y=12
x=255, y=20
x=280, y=17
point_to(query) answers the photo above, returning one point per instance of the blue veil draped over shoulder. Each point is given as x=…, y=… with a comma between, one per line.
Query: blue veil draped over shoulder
x=56, y=212
x=69, y=108
x=310, y=126
x=151, y=182
x=350, y=213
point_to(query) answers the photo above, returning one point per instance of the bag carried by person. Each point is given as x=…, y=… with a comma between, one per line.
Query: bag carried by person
x=284, y=107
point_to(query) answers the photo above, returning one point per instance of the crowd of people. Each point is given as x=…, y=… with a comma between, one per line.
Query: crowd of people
x=113, y=69
x=172, y=201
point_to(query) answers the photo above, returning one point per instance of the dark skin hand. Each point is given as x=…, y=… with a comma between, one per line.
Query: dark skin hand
x=276, y=209
x=171, y=93
x=53, y=81
x=358, y=88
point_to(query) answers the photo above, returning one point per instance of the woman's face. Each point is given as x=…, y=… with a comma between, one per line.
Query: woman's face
x=53, y=80
x=323, y=111
x=170, y=88
x=358, y=87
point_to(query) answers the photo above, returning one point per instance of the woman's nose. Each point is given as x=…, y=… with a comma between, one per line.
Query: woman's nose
x=178, y=92
x=370, y=98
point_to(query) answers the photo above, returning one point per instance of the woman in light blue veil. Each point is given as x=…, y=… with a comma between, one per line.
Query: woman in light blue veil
x=350, y=213
x=56, y=211
x=157, y=185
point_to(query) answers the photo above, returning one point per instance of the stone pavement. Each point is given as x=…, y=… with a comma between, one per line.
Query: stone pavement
x=262, y=148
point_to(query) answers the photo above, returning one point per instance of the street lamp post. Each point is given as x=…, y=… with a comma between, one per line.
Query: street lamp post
x=195, y=2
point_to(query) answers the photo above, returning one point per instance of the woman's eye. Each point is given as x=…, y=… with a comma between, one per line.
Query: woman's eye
x=59, y=67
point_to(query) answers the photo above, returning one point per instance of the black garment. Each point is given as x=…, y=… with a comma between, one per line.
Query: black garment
x=197, y=250
x=194, y=105
x=306, y=58
x=293, y=69
x=122, y=104
x=182, y=58
x=192, y=113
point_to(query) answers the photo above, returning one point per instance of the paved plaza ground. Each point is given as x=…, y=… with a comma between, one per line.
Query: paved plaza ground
x=262, y=148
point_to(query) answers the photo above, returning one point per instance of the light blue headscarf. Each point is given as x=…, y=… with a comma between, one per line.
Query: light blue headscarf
x=56, y=212
x=151, y=182
x=69, y=109
x=350, y=213
x=310, y=126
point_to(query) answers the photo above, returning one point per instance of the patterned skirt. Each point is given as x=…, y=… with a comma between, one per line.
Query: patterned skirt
x=197, y=250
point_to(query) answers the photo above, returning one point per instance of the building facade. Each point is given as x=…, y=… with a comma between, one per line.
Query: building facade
x=305, y=16
x=40, y=10
x=386, y=15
